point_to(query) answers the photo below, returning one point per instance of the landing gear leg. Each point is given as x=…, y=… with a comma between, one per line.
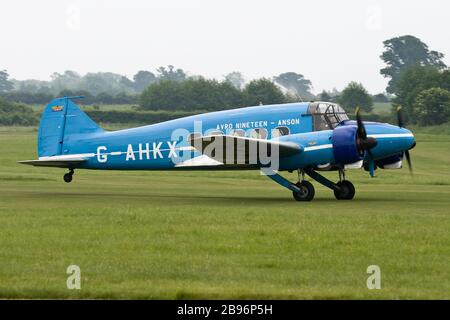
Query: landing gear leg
x=307, y=191
x=343, y=190
x=302, y=190
x=346, y=189
x=68, y=176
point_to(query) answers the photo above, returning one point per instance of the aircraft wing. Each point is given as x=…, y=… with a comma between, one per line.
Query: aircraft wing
x=59, y=162
x=234, y=150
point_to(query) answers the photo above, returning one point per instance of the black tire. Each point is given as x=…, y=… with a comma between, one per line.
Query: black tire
x=68, y=177
x=347, y=191
x=306, y=191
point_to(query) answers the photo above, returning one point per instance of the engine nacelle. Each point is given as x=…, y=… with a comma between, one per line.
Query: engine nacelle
x=345, y=149
x=393, y=162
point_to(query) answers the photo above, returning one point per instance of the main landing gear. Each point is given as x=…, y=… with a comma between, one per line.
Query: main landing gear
x=68, y=176
x=304, y=190
x=343, y=189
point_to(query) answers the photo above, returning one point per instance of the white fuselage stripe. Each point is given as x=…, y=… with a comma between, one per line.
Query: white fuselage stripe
x=391, y=135
x=323, y=146
x=112, y=153
x=68, y=156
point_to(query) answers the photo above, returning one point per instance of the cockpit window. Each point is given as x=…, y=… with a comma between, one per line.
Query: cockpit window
x=238, y=133
x=280, y=131
x=258, y=133
x=326, y=116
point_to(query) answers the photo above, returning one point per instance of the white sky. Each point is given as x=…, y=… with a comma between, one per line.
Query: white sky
x=329, y=42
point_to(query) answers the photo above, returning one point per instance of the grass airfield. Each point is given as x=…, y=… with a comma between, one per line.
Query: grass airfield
x=222, y=235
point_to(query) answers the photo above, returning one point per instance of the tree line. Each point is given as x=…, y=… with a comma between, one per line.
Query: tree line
x=111, y=88
x=419, y=81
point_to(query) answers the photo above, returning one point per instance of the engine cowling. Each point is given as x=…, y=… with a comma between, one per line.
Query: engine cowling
x=387, y=163
x=345, y=149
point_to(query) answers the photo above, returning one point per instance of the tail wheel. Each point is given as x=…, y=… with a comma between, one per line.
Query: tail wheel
x=346, y=190
x=68, y=176
x=306, y=192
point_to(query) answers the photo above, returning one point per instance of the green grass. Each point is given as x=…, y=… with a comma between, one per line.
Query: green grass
x=443, y=130
x=221, y=234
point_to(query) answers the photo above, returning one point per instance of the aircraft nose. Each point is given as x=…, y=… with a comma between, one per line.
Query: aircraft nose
x=392, y=140
x=403, y=139
x=409, y=139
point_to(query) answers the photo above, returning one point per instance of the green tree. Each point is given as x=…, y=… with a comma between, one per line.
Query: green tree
x=355, y=95
x=380, y=97
x=235, y=78
x=88, y=98
x=412, y=81
x=126, y=83
x=402, y=52
x=16, y=114
x=445, y=79
x=34, y=86
x=104, y=82
x=104, y=98
x=5, y=84
x=432, y=106
x=69, y=80
x=206, y=94
x=192, y=94
x=164, y=95
x=296, y=84
x=142, y=79
x=324, y=96
x=263, y=91
x=170, y=73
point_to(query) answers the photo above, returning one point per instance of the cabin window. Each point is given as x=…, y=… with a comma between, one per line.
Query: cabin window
x=215, y=133
x=280, y=131
x=258, y=133
x=238, y=133
x=194, y=135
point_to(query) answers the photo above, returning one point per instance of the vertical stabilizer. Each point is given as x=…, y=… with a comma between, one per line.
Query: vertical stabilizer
x=60, y=119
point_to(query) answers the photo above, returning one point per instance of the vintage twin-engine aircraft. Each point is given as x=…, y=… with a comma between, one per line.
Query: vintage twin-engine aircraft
x=306, y=137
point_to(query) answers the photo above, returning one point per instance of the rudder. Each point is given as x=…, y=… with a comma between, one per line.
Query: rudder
x=62, y=118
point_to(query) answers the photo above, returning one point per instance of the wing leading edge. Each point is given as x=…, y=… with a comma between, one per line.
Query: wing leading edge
x=225, y=150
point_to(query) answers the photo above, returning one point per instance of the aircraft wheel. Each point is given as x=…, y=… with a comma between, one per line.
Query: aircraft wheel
x=347, y=191
x=68, y=177
x=306, y=191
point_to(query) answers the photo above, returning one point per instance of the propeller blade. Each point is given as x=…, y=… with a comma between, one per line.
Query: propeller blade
x=408, y=159
x=400, y=117
x=371, y=164
x=401, y=124
x=363, y=142
x=361, y=130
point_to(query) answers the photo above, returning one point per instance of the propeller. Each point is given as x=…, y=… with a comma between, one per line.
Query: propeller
x=401, y=125
x=363, y=142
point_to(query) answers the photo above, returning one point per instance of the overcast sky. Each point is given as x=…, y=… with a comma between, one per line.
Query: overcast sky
x=329, y=42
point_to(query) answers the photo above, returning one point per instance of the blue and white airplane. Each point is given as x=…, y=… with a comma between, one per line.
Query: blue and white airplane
x=306, y=137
